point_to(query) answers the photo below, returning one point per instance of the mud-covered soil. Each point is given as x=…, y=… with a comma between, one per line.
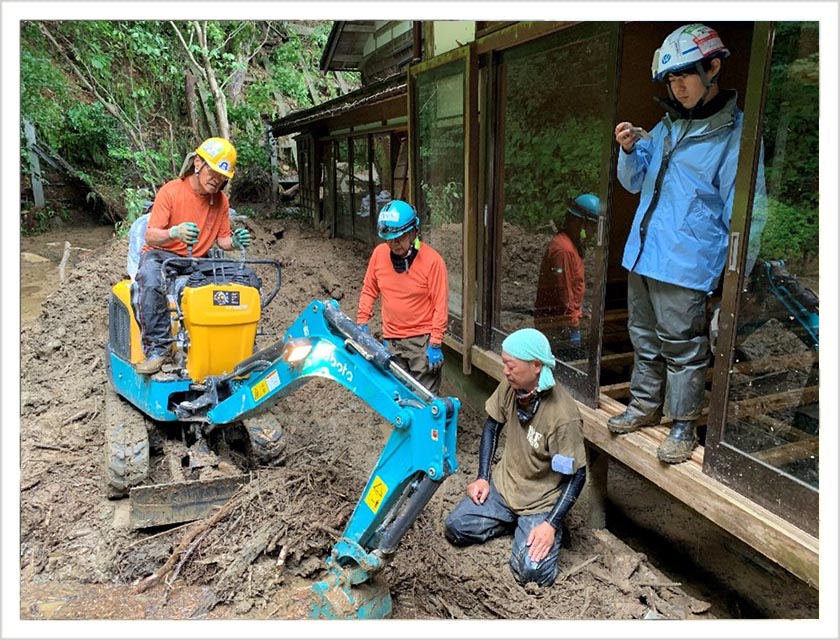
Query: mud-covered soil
x=80, y=561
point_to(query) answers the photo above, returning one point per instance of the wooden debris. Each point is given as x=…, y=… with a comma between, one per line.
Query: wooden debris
x=63, y=263
x=567, y=574
x=189, y=536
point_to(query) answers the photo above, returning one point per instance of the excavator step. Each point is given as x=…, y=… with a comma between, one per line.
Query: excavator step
x=177, y=502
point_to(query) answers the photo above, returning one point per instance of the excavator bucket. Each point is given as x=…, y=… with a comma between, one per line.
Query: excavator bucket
x=335, y=599
x=173, y=503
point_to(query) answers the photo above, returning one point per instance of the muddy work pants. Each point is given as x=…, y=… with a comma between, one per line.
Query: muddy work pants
x=410, y=354
x=471, y=523
x=668, y=329
x=150, y=302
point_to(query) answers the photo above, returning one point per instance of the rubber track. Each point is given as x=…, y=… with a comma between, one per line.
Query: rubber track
x=126, y=445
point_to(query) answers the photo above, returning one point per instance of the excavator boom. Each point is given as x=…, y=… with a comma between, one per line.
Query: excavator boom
x=419, y=453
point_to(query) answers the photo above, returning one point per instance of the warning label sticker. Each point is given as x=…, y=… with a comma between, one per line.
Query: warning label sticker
x=376, y=494
x=262, y=389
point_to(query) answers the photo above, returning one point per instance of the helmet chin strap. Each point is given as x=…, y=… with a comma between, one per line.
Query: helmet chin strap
x=707, y=82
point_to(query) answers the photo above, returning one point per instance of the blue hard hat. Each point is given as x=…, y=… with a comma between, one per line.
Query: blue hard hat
x=395, y=219
x=586, y=206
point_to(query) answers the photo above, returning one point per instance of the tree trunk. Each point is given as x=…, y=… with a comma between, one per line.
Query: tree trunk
x=218, y=97
x=190, y=92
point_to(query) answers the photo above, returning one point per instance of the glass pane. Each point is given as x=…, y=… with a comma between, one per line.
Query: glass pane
x=361, y=190
x=773, y=409
x=440, y=117
x=327, y=187
x=344, y=223
x=552, y=156
x=383, y=174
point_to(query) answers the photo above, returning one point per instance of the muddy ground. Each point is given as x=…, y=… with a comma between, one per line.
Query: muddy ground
x=79, y=560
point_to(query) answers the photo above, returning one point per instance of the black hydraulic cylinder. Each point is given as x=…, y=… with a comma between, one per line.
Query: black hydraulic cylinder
x=349, y=329
x=416, y=503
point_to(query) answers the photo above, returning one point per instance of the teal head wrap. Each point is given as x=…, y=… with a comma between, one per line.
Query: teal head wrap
x=528, y=345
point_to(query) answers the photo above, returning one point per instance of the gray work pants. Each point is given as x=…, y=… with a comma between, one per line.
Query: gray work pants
x=410, y=354
x=668, y=329
x=471, y=523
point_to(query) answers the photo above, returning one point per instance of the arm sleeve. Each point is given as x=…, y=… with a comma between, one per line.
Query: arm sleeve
x=439, y=283
x=571, y=487
x=487, y=448
x=369, y=294
x=633, y=166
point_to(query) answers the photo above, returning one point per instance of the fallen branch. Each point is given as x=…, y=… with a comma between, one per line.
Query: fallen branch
x=200, y=527
x=77, y=416
x=171, y=579
x=51, y=447
x=578, y=567
x=241, y=563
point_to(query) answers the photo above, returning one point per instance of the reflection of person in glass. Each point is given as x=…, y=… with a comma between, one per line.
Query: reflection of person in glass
x=560, y=288
x=676, y=249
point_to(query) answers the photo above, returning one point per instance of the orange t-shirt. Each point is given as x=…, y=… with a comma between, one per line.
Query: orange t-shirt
x=414, y=303
x=176, y=202
x=560, y=287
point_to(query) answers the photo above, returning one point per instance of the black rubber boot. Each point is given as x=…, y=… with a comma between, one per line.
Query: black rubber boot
x=679, y=444
x=631, y=420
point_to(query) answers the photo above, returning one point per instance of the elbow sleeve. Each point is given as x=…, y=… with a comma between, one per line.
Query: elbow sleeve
x=570, y=490
x=487, y=448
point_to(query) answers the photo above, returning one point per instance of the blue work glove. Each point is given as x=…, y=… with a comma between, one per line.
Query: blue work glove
x=574, y=337
x=364, y=328
x=186, y=232
x=434, y=356
x=241, y=238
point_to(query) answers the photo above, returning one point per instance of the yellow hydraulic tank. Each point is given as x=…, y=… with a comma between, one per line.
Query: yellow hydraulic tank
x=221, y=321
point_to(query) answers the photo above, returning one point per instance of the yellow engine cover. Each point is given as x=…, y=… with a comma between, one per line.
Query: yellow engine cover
x=122, y=291
x=221, y=321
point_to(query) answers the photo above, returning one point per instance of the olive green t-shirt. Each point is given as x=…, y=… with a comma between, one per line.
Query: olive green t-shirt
x=535, y=455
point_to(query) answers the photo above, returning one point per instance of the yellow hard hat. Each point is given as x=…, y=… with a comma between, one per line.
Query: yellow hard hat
x=219, y=154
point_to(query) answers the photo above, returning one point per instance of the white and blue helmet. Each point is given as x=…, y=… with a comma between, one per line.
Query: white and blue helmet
x=685, y=48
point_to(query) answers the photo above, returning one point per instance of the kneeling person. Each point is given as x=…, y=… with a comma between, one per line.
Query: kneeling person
x=542, y=469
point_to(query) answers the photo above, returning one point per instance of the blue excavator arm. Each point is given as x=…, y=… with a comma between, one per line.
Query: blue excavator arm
x=419, y=453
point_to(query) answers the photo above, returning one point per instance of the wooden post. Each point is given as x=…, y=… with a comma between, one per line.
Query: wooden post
x=34, y=165
x=597, y=483
x=272, y=152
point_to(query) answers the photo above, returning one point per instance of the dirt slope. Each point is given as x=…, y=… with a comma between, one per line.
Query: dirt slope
x=78, y=560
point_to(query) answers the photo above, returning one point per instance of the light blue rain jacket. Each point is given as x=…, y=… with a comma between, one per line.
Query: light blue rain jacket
x=688, y=229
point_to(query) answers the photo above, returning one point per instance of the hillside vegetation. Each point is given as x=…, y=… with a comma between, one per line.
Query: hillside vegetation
x=118, y=104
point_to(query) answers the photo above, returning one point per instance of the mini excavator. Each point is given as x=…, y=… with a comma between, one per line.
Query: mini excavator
x=218, y=381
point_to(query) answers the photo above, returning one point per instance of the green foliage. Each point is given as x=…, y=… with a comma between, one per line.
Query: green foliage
x=791, y=139
x=792, y=232
x=41, y=220
x=135, y=203
x=445, y=201
x=89, y=135
x=548, y=168
x=138, y=67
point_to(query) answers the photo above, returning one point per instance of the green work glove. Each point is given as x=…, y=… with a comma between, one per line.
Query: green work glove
x=241, y=238
x=186, y=232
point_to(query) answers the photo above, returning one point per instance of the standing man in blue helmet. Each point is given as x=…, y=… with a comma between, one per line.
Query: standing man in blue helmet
x=675, y=252
x=558, y=307
x=412, y=280
x=542, y=469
